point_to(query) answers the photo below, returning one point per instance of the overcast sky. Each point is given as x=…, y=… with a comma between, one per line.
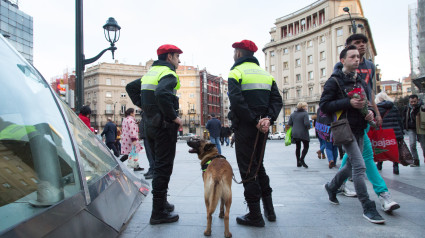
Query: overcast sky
x=203, y=29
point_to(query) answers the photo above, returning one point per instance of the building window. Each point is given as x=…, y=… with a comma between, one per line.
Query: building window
x=298, y=47
x=108, y=94
x=285, y=51
x=109, y=108
x=310, y=43
x=272, y=53
x=123, y=95
x=312, y=109
x=322, y=39
x=298, y=93
x=94, y=95
x=310, y=91
x=272, y=68
x=123, y=108
x=339, y=49
x=322, y=55
x=298, y=76
x=310, y=59
x=285, y=65
x=94, y=81
x=122, y=82
x=322, y=72
x=191, y=95
x=192, y=83
x=310, y=75
x=339, y=32
x=89, y=82
x=285, y=80
x=88, y=95
x=108, y=82
x=409, y=90
x=298, y=62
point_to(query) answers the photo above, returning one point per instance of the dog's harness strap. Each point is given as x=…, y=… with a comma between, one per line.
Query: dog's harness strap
x=205, y=166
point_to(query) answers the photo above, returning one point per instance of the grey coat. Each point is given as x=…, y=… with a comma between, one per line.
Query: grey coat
x=300, y=125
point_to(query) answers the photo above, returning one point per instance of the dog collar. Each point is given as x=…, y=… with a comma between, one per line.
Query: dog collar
x=205, y=166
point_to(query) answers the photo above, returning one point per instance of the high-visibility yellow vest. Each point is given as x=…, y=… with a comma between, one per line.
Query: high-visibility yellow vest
x=151, y=79
x=252, y=77
x=16, y=132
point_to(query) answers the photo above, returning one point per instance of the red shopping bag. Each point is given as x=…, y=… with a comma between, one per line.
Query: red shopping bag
x=384, y=145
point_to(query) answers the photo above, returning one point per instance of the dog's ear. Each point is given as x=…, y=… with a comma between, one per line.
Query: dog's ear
x=209, y=147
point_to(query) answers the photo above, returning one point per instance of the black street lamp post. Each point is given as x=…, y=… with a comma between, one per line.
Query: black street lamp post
x=353, y=22
x=110, y=27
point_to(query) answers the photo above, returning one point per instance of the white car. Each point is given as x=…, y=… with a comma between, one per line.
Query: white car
x=277, y=136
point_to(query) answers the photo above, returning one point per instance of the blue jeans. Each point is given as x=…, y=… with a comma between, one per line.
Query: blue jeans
x=216, y=141
x=331, y=151
x=372, y=172
x=226, y=139
x=322, y=145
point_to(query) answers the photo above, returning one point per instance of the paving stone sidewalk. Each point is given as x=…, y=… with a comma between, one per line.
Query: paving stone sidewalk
x=301, y=203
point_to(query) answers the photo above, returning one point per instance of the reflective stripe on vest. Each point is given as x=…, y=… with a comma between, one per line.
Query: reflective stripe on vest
x=252, y=77
x=151, y=79
x=16, y=132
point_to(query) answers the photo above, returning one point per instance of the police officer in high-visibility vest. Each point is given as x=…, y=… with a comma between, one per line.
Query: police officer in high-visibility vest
x=155, y=93
x=255, y=104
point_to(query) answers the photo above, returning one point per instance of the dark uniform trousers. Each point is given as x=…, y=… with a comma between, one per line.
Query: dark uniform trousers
x=162, y=141
x=245, y=136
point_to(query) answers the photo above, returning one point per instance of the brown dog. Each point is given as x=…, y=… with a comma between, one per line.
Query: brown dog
x=217, y=175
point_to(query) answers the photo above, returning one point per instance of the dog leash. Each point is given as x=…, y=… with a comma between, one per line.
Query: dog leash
x=252, y=158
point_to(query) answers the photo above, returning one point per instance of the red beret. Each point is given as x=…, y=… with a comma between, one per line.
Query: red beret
x=246, y=45
x=168, y=49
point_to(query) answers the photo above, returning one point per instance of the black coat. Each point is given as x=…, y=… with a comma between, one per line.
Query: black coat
x=409, y=117
x=332, y=100
x=300, y=125
x=110, y=132
x=392, y=118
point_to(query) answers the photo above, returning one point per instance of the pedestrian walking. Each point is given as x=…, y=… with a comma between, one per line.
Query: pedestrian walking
x=366, y=74
x=409, y=117
x=334, y=99
x=321, y=151
x=156, y=95
x=130, y=139
x=255, y=104
x=110, y=133
x=227, y=134
x=84, y=115
x=214, y=127
x=391, y=120
x=300, y=124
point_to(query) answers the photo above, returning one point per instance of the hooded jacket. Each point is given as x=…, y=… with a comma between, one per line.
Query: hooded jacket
x=334, y=99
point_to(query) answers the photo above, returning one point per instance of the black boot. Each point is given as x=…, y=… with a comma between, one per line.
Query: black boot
x=268, y=208
x=169, y=207
x=395, y=168
x=298, y=163
x=254, y=217
x=303, y=163
x=160, y=214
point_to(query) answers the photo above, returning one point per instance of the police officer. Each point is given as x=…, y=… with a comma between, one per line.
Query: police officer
x=160, y=104
x=255, y=105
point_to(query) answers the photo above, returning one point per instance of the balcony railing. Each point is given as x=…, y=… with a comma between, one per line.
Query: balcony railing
x=191, y=111
x=93, y=112
x=109, y=112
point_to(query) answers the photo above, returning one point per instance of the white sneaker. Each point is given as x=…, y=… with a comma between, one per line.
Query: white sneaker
x=387, y=204
x=347, y=192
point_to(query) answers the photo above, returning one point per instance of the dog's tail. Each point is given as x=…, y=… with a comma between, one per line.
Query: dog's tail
x=214, y=194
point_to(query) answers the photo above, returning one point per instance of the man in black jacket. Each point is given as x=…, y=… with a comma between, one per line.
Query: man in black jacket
x=156, y=95
x=409, y=115
x=255, y=105
x=334, y=98
x=110, y=132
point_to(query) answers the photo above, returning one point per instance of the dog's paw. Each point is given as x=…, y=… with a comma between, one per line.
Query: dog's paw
x=221, y=215
x=208, y=233
x=227, y=235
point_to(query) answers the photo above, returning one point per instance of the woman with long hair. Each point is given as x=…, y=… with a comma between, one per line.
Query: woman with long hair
x=300, y=124
x=130, y=138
